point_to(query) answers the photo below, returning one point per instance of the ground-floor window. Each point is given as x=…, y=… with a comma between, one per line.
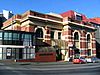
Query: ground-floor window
x=17, y=53
x=89, y=52
x=28, y=53
x=76, y=53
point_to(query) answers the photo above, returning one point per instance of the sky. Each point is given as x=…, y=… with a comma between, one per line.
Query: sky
x=90, y=8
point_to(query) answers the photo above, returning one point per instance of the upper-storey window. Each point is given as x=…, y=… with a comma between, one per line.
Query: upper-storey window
x=39, y=33
x=7, y=36
x=59, y=35
x=52, y=34
x=76, y=39
x=88, y=45
x=88, y=41
x=79, y=17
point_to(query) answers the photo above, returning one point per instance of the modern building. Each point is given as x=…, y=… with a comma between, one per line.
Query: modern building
x=1, y=20
x=4, y=16
x=16, y=45
x=57, y=36
x=7, y=14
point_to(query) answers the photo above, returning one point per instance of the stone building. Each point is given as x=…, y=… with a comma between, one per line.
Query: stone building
x=64, y=35
x=79, y=34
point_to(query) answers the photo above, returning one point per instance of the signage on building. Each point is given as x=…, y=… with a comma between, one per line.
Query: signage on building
x=8, y=52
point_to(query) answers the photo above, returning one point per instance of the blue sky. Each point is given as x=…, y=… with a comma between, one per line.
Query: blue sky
x=91, y=8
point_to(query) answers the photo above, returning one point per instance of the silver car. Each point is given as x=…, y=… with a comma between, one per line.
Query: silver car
x=92, y=60
x=95, y=59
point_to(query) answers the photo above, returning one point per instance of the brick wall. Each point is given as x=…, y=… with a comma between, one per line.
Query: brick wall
x=41, y=57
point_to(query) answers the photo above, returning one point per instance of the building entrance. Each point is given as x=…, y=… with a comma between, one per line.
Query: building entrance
x=14, y=53
x=76, y=53
x=17, y=53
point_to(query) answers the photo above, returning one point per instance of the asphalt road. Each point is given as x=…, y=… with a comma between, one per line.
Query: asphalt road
x=50, y=69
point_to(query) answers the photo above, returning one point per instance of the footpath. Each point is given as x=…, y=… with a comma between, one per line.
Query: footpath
x=7, y=62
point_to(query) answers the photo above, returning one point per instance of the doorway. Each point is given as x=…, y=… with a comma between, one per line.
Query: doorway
x=76, y=53
x=14, y=53
x=8, y=53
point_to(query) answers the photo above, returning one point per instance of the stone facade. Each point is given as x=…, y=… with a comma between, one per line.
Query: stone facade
x=70, y=31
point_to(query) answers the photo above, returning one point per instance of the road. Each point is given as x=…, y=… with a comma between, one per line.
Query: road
x=48, y=69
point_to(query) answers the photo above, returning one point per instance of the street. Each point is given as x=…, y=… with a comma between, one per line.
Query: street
x=50, y=69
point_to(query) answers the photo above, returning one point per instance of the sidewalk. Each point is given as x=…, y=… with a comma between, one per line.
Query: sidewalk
x=7, y=62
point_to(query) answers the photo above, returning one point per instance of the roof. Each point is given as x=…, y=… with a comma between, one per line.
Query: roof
x=95, y=20
x=71, y=14
x=54, y=14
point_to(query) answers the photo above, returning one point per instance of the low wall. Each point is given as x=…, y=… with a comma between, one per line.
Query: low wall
x=41, y=57
x=45, y=57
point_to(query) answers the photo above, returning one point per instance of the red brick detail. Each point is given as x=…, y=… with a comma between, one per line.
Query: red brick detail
x=31, y=28
x=95, y=20
x=64, y=33
x=71, y=14
x=27, y=29
x=18, y=16
x=82, y=44
x=93, y=45
x=45, y=57
x=24, y=28
x=94, y=52
x=11, y=20
x=54, y=18
x=70, y=32
x=84, y=39
x=47, y=36
x=17, y=28
x=31, y=13
x=41, y=57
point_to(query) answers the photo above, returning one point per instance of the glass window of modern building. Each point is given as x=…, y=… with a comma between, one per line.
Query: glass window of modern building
x=16, y=45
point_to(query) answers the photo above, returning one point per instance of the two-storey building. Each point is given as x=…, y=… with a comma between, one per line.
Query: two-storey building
x=51, y=36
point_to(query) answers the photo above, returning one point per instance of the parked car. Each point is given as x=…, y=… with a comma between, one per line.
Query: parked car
x=88, y=60
x=92, y=60
x=95, y=59
x=80, y=60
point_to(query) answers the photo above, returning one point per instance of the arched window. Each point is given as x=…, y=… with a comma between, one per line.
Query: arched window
x=39, y=33
x=88, y=41
x=76, y=39
x=76, y=44
x=88, y=38
x=88, y=45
